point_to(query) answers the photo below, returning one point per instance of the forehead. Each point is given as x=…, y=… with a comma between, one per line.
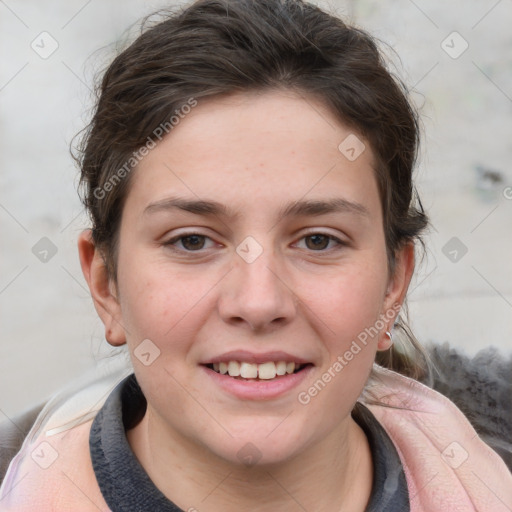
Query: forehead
x=254, y=149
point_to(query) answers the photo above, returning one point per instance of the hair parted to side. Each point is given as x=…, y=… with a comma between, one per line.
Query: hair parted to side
x=220, y=47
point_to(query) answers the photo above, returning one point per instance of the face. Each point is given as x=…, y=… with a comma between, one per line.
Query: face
x=250, y=243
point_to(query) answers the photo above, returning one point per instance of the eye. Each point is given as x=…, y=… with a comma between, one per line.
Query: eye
x=321, y=241
x=190, y=242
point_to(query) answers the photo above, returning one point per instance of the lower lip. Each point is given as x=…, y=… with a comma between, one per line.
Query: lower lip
x=253, y=389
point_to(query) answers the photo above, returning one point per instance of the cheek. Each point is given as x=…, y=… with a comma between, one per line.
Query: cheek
x=349, y=301
x=348, y=314
x=167, y=309
x=159, y=305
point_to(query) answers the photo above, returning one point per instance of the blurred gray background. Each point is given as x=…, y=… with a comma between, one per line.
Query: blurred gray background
x=456, y=56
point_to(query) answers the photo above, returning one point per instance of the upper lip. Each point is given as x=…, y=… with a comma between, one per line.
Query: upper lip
x=256, y=358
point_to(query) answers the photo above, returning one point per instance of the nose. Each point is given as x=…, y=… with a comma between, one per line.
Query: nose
x=256, y=295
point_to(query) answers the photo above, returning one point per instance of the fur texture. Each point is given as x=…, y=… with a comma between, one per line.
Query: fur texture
x=482, y=389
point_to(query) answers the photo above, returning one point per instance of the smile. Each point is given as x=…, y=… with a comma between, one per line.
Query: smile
x=257, y=376
x=263, y=371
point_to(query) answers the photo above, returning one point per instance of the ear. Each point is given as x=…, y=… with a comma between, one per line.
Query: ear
x=396, y=291
x=102, y=290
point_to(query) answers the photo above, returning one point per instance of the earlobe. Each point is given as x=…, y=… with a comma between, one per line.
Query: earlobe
x=105, y=302
x=385, y=342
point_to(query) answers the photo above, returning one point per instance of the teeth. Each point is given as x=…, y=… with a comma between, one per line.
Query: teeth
x=248, y=370
x=267, y=370
x=281, y=368
x=264, y=371
x=234, y=368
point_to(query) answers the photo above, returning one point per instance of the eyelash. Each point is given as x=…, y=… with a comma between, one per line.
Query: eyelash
x=170, y=243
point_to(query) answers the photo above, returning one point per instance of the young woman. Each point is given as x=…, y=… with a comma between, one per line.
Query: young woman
x=248, y=172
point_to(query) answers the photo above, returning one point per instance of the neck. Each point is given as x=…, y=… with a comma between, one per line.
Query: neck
x=334, y=474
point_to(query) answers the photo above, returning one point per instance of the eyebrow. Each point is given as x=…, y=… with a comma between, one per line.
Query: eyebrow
x=295, y=208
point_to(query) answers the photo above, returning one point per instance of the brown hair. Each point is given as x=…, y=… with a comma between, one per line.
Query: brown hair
x=219, y=47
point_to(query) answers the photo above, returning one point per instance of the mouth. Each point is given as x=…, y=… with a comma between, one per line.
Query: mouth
x=265, y=376
x=250, y=371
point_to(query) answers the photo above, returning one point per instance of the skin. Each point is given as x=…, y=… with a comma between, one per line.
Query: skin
x=253, y=153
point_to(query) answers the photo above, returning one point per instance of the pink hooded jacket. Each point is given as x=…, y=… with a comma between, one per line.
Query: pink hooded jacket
x=447, y=466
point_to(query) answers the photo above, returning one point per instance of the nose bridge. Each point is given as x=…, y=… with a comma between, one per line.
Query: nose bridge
x=256, y=271
x=260, y=276
x=256, y=292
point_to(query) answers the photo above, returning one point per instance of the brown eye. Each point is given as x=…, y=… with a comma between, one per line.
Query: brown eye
x=193, y=242
x=321, y=243
x=317, y=242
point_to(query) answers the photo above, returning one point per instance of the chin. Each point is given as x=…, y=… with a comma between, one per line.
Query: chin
x=265, y=443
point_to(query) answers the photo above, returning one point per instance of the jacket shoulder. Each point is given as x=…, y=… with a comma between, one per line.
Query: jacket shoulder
x=54, y=473
x=446, y=464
